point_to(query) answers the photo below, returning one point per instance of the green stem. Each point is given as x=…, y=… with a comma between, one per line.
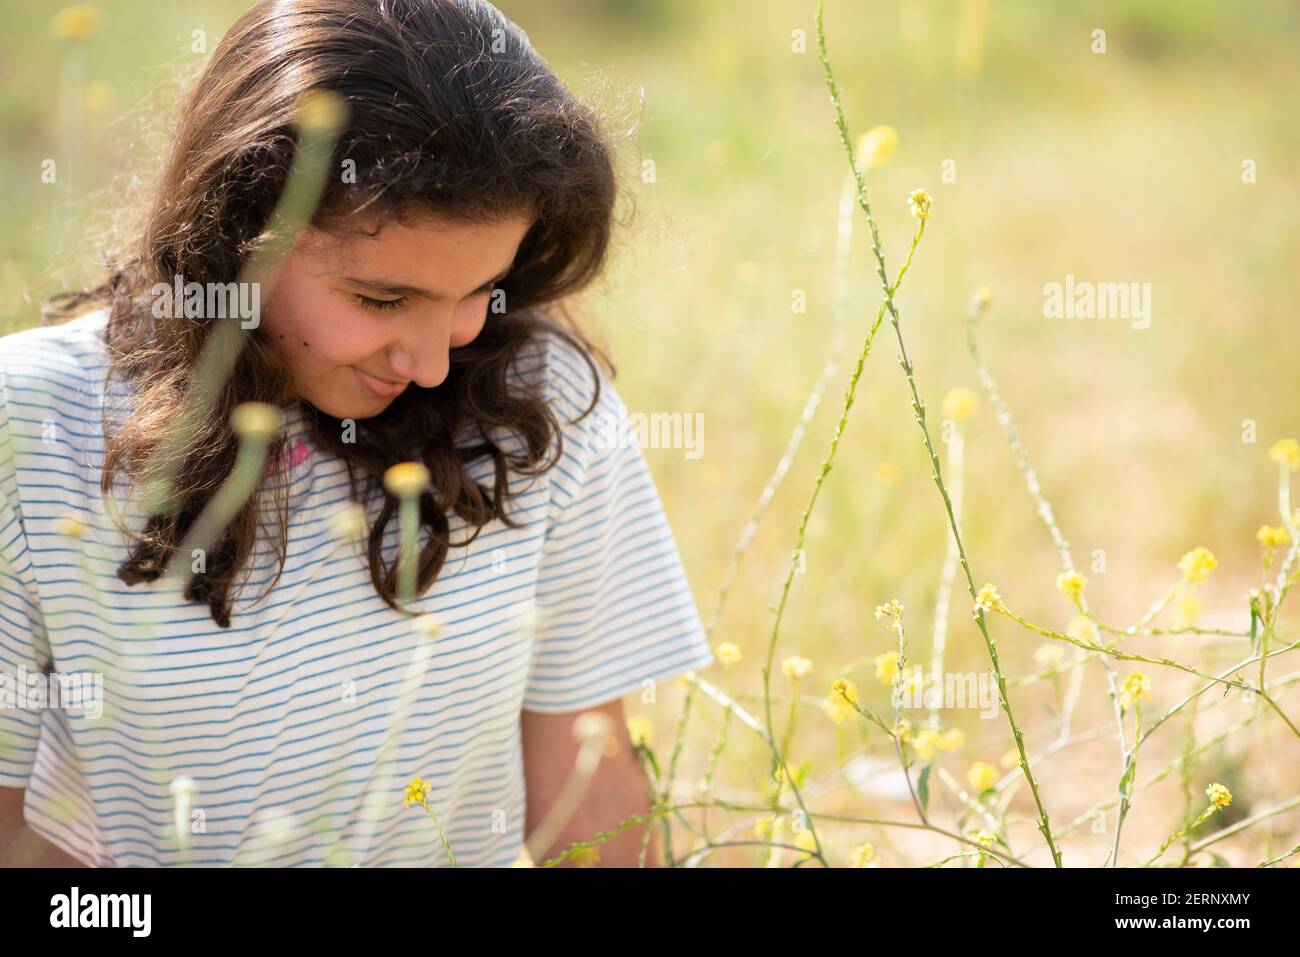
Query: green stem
x=1044, y=825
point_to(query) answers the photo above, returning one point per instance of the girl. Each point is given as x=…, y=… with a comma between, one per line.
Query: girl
x=271, y=711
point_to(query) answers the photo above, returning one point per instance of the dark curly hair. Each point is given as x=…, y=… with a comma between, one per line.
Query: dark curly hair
x=451, y=112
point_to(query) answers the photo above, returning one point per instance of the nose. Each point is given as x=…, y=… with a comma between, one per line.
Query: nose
x=422, y=352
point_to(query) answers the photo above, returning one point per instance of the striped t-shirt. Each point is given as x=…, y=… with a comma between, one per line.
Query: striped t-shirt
x=288, y=725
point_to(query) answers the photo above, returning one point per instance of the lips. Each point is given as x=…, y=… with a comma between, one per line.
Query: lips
x=379, y=388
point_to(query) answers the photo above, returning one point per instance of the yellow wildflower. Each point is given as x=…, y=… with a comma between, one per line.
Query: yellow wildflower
x=348, y=522
x=838, y=704
x=1071, y=585
x=585, y=857
x=256, y=421
x=406, y=479
x=1135, y=687
x=1219, y=795
x=76, y=22
x=640, y=729
x=97, y=95
x=796, y=667
x=1272, y=536
x=592, y=727
x=988, y=599
x=893, y=611
x=805, y=841
x=763, y=826
x=951, y=740
x=1010, y=759
x=1049, y=656
x=877, y=145
x=982, y=776
x=728, y=653
x=903, y=730
x=985, y=839
x=71, y=526
x=980, y=300
x=837, y=709
x=861, y=856
x=960, y=404
x=919, y=202
x=417, y=792
x=926, y=742
x=321, y=110
x=1084, y=630
x=429, y=625
x=887, y=667
x=1286, y=452
x=1197, y=564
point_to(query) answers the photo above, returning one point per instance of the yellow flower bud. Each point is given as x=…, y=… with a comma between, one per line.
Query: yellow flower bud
x=1219, y=795
x=982, y=775
x=256, y=421
x=960, y=404
x=877, y=145
x=919, y=203
x=348, y=522
x=796, y=667
x=1286, y=452
x=1071, y=584
x=640, y=729
x=321, y=110
x=406, y=479
x=728, y=653
x=1197, y=564
x=76, y=22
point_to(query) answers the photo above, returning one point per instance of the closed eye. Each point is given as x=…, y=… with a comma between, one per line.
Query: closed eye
x=378, y=305
x=382, y=305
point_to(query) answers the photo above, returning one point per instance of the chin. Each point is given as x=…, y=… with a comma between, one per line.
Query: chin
x=354, y=410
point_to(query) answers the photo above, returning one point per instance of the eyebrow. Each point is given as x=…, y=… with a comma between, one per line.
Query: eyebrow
x=400, y=289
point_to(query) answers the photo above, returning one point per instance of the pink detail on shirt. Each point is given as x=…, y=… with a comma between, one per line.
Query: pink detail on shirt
x=295, y=451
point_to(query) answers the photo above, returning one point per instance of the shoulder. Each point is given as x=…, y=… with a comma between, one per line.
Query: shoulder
x=50, y=367
x=51, y=398
x=582, y=397
x=569, y=377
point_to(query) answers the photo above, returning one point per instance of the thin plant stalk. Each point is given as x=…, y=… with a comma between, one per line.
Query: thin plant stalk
x=1044, y=823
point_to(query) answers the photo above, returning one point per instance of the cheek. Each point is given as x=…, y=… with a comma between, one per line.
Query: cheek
x=316, y=330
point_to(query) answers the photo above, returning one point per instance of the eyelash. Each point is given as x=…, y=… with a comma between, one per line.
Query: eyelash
x=379, y=305
x=383, y=305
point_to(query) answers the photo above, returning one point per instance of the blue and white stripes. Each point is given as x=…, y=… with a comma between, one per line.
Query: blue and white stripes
x=279, y=720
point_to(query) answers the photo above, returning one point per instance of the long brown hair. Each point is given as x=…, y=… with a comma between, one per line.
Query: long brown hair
x=450, y=112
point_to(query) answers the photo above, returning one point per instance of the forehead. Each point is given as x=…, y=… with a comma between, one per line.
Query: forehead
x=424, y=248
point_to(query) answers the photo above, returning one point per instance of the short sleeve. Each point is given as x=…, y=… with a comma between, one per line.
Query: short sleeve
x=24, y=649
x=614, y=606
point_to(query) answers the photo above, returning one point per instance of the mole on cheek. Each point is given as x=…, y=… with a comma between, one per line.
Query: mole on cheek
x=304, y=343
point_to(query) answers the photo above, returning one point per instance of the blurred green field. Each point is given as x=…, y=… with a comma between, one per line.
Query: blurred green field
x=1117, y=167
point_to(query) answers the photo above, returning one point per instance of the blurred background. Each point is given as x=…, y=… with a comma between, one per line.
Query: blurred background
x=1120, y=166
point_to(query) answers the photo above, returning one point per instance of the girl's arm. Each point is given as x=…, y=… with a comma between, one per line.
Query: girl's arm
x=618, y=790
x=20, y=846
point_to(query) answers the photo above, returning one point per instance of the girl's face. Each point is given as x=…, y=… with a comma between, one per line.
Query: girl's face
x=360, y=318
